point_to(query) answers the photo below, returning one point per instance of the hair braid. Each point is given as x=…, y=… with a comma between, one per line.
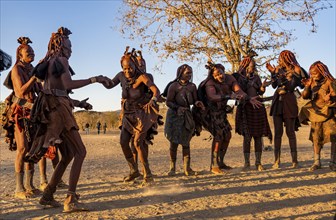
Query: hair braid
x=56, y=42
x=289, y=57
x=323, y=70
x=24, y=43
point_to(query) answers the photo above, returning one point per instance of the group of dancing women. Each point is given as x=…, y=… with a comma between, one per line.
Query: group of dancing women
x=40, y=124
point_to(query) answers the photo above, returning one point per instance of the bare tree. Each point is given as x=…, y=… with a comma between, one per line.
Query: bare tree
x=218, y=29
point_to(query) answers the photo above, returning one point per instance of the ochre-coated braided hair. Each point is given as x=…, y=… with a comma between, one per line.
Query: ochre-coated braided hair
x=136, y=58
x=244, y=63
x=56, y=42
x=289, y=58
x=323, y=70
x=210, y=66
x=23, y=41
x=247, y=60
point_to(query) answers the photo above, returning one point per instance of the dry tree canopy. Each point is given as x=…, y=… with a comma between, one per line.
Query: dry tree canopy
x=195, y=30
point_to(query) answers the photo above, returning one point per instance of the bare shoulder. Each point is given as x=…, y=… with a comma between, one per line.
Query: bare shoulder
x=230, y=77
x=144, y=77
x=210, y=82
x=64, y=61
x=16, y=73
x=174, y=85
x=150, y=76
x=15, y=70
x=230, y=80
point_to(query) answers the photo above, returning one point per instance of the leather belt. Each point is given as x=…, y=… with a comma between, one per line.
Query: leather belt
x=22, y=102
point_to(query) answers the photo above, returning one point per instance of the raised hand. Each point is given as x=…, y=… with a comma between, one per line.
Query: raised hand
x=266, y=83
x=270, y=68
x=306, y=82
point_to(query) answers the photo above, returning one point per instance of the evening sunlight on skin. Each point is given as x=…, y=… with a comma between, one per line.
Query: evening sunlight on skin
x=98, y=44
x=197, y=93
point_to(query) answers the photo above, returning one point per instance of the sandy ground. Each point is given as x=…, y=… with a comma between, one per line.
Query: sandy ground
x=271, y=194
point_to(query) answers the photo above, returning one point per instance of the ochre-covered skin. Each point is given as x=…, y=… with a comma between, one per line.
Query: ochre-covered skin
x=251, y=122
x=285, y=78
x=139, y=113
x=25, y=89
x=320, y=89
x=219, y=88
x=56, y=125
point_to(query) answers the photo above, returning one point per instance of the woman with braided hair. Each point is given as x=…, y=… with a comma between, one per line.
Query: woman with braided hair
x=25, y=89
x=320, y=89
x=139, y=113
x=251, y=122
x=180, y=127
x=218, y=88
x=53, y=117
x=284, y=109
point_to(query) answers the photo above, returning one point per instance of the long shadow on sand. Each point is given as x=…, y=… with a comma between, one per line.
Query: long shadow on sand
x=246, y=209
x=183, y=196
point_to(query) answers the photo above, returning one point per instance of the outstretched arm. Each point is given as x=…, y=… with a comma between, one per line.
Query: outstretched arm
x=115, y=81
x=70, y=84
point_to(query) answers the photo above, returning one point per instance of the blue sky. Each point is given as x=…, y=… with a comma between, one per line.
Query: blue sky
x=98, y=45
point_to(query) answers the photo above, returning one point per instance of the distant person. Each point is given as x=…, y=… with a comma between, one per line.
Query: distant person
x=87, y=128
x=180, y=126
x=320, y=89
x=98, y=127
x=104, y=128
x=285, y=78
x=54, y=104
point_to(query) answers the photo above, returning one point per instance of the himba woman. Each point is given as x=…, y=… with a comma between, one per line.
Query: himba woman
x=218, y=88
x=139, y=113
x=56, y=125
x=180, y=126
x=320, y=89
x=285, y=78
x=251, y=122
x=25, y=88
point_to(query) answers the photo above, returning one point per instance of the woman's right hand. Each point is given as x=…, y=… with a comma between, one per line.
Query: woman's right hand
x=270, y=68
x=306, y=82
x=104, y=80
x=255, y=103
